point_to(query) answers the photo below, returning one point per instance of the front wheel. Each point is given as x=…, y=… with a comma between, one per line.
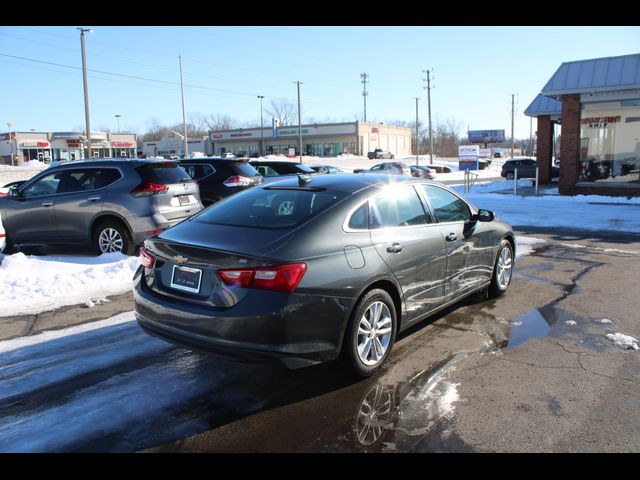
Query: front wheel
x=112, y=237
x=371, y=333
x=502, y=270
x=510, y=176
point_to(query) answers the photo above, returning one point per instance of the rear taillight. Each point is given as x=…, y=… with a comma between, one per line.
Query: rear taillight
x=146, y=259
x=146, y=189
x=281, y=278
x=238, y=181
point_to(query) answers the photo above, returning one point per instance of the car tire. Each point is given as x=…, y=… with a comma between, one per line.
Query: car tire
x=502, y=270
x=510, y=176
x=112, y=236
x=366, y=345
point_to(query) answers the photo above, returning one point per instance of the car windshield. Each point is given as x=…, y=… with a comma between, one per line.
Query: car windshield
x=270, y=207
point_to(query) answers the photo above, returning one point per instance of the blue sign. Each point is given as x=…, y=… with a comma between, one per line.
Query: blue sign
x=486, y=136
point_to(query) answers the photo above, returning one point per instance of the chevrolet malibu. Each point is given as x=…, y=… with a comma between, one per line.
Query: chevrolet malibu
x=319, y=268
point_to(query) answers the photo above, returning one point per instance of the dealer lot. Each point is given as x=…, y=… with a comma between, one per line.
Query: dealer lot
x=502, y=375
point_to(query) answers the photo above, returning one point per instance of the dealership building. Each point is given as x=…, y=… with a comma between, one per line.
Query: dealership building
x=596, y=103
x=322, y=140
x=48, y=146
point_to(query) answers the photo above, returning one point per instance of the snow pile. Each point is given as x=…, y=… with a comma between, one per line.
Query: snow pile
x=604, y=320
x=30, y=284
x=570, y=322
x=623, y=340
x=526, y=245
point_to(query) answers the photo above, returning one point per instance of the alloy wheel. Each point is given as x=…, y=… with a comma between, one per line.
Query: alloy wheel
x=503, y=272
x=374, y=333
x=110, y=240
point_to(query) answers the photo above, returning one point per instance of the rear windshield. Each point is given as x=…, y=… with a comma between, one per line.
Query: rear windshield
x=270, y=207
x=244, y=169
x=164, y=173
x=288, y=168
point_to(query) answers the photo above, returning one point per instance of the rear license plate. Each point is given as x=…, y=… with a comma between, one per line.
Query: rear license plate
x=186, y=278
x=183, y=199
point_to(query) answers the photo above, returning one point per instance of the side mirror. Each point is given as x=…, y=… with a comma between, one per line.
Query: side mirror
x=13, y=191
x=485, y=215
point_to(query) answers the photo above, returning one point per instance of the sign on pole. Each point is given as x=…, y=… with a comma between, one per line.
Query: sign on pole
x=468, y=157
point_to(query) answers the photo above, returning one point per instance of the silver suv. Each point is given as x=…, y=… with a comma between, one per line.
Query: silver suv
x=112, y=204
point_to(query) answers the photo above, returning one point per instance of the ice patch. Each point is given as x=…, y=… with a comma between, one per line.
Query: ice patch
x=604, y=320
x=623, y=340
x=570, y=322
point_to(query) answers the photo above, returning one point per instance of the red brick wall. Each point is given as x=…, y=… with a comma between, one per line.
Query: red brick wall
x=569, y=144
x=544, y=143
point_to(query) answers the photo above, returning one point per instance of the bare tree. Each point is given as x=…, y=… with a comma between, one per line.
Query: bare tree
x=221, y=122
x=155, y=130
x=284, y=110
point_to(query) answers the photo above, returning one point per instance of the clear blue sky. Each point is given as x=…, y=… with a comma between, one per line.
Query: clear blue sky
x=476, y=70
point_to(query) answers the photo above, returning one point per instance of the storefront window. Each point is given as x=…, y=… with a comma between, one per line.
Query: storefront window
x=610, y=143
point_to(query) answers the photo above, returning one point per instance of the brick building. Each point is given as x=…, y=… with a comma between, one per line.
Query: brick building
x=597, y=105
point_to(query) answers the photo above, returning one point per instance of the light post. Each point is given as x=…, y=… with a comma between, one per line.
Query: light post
x=261, y=97
x=184, y=115
x=86, y=88
x=118, y=117
x=9, y=124
x=299, y=122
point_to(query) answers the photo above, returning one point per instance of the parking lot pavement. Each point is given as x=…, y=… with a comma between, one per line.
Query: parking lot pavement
x=532, y=371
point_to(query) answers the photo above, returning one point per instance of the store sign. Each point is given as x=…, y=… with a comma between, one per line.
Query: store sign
x=34, y=144
x=293, y=131
x=241, y=134
x=217, y=135
x=464, y=150
x=599, y=122
x=468, y=157
x=73, y=143
x=486, y=136
x=122, y=144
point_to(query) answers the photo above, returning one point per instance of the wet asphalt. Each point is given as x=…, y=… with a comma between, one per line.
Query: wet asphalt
x=532, y=371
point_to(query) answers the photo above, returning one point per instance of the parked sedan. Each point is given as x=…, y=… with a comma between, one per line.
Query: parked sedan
x=422, y=172
x=390, y=168
x=319, y=268
x=325, y=169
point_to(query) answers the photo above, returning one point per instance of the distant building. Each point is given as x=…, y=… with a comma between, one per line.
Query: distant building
x=172, y=145
x=48, y=146
x=321, y=140
x=597, y=104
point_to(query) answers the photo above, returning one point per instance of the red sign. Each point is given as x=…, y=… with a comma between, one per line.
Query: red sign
x=217, y=135
x=73, y=143
x=598, y=121
x=122, y=144
x=42, y=144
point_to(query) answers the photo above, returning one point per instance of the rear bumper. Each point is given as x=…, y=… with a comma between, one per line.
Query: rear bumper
x=299, y=330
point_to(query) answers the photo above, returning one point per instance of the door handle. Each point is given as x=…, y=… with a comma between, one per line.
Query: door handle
x=47, y=203
x=94, y=199
x=395, y=248
x=452, y=237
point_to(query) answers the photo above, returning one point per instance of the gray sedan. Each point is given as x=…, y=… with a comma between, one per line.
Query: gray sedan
x=319, y=268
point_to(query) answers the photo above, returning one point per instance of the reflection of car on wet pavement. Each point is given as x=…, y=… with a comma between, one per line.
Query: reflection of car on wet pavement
x=309, y=270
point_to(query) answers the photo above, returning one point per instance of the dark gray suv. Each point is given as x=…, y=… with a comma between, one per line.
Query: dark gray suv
x=112, y=204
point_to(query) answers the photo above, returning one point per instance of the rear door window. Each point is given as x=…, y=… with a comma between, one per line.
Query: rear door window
x=396, y=207
x=198, y=170
x=164, y=173
x=243, y=169
x=447, y=206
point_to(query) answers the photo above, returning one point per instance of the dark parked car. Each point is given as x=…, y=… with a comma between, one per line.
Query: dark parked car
x=422, y=172
x=389, y=168
x=526, y=168
x=220, y=177
x=110, y=204
x=269, y=169
x=325, y=169
x=313, y=269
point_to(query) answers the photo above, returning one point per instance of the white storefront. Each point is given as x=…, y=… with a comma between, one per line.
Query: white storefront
x=48, y=146
x=172, y=145
x=322, y=140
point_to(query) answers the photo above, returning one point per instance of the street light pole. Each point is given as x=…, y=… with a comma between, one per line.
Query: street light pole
x=299, y=122
x=118, y=117
x=184, y=115
x=417, y=131
x=86, y=88
x=261, y=97
x=9, y=124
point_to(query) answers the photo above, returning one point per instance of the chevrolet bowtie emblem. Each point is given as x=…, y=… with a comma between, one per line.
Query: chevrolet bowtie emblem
x=180, y=259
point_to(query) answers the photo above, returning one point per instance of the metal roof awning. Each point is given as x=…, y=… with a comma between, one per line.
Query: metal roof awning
x=595, y=75
x=542, y=105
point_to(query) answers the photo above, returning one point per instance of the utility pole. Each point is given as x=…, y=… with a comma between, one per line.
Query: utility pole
x=512, y=117
x=428, y=88
x=184, y=115
x=118, y=117
x=9, y=125
x=417, y=130
x=261, y=97
x=364, y=78
x=86, y=88
x=299, y=122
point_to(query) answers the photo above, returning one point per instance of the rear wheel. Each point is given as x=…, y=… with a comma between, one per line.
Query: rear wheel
x=510, y=176
x=502, y=270
x=371, y=333
x=112, y=236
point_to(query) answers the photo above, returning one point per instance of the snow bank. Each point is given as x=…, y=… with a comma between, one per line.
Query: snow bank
x=31, y=284
x=623, y=340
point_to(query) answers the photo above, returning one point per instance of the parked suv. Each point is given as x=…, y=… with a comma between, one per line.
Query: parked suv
x=221, y=177
x=526, y=168
x=112, y=204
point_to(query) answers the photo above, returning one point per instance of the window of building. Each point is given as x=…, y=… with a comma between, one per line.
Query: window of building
x=610, y=143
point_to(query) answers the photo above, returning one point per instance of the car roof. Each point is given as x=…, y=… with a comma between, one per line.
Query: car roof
x=348, y=182
x=90, y=162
